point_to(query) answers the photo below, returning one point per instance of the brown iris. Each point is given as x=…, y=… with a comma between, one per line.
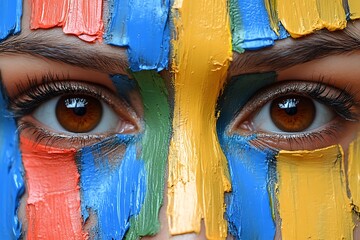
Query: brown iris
x=292, y=113
x=78, y=113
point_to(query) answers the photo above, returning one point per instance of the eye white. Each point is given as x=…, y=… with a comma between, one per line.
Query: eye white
x=46, y=115
x=262, y=121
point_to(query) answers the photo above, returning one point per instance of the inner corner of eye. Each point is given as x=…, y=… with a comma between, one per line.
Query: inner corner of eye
x=77, y=114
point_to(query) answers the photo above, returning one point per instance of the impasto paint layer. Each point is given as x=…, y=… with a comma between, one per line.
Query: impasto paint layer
x=304, y=17
x=198, y=174
x=250, y=25
x=10, y=17
x=155, y=144
x=11, y=173
x=313, y=203
x=142, y=26
x=79, y=17
x=53, y=203
x=354, y=9
x=353, y=172
x=249, y=210
x=112, y=185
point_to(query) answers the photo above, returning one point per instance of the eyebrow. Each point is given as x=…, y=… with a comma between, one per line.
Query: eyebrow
x=292, y=52
x=69, y=52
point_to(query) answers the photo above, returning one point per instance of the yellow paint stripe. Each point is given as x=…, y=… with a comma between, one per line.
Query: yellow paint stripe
x=198, y=174
x=354, y=6
x=313, y=203
x=305, y=16
x=354, y=172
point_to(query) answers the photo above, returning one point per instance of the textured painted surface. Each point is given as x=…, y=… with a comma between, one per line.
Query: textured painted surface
x=125, y=87
x=53, y=204
x=198, y=174
x=79, y=17
x=112, y=185
x=353, y=172
x=312, y=195
x=11, y=173
x=354, y=8
x=249, y=210
x=304, y=17
x=155, y=143
x=142, y=26
x=10, y=17
x=250, y=25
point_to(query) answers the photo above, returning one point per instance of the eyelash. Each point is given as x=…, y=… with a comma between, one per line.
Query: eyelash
x=33, y=94
x=341, y=101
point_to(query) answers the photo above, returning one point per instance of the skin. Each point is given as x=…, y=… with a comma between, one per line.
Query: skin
x=340, y=70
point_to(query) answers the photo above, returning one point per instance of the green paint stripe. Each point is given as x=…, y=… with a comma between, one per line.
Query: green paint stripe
x=155, y=145
x=237, y=31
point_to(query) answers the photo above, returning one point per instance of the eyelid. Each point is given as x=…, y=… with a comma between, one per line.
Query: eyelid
x=323, y=93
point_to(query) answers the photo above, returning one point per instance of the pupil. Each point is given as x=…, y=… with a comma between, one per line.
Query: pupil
x=289, y=106
x=78, y=105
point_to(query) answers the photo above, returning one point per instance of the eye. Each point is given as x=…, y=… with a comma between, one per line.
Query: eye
x=292, y=113
x=295, y=115
x=72, y=113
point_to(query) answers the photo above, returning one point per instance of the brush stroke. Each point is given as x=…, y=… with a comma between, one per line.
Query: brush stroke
x=53, y=203
x=353, y=172
x=313, y=202
x=124, y=86
x=304, y=17
x=10, y=20
x=113, y=185
x=354, y=9
x=256, y=31
x=249, y=208
x=12, y=184
x=198, y=174
x=142, y=26
x=82, y=18
x=155, y=144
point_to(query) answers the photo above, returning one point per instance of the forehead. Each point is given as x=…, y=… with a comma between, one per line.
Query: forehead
x=146, y=28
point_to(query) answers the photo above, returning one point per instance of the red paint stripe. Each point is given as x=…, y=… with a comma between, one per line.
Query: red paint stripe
x=79, y=17
x=53, y=204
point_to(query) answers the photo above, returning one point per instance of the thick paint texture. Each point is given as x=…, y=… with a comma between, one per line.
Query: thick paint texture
x=250, y=25
x=313, y=202
x=198, y=174
x=113, y=185
x=353, y=172
x=155, y=142
x=142, y=26
x=82, y=18
x=53, y=203
x=237, y=93
x=354, y=9
x=249, y=210
x=304, y=17
x=11, y=173
x=10, y=17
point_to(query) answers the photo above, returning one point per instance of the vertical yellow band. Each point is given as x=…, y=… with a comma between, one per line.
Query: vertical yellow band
x=198, y=175
x=354, y=7
x=354, y=172
x=313, y=203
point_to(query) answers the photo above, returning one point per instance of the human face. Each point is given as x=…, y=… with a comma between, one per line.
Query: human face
x=169, y=133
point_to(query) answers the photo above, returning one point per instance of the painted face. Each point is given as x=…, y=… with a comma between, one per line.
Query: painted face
x=179, y=119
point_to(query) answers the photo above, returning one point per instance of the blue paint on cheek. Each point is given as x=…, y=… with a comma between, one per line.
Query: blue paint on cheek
x=113, y=185
x=249, y=211
x=11, y=174
x=10, y=17
x=256, y=31
x=142, y=26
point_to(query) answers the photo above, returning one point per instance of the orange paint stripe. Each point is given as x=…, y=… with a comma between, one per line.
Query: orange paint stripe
x=53, y=204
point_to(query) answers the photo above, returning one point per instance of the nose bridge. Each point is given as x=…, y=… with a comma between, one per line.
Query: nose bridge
x=197, y=167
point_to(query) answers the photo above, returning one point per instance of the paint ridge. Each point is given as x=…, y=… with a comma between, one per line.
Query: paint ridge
x=353, y=172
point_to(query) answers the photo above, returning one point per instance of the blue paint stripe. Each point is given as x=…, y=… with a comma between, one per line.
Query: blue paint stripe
x=249, y=211
x=10, y=17
x=143, y=27
x=124, y=86
x=256, y=31
x=11, y=173
x=113, y=185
